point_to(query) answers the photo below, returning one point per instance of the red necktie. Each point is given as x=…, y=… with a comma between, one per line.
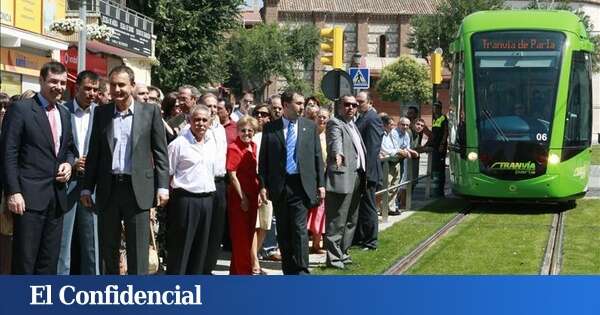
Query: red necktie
x=53, y=126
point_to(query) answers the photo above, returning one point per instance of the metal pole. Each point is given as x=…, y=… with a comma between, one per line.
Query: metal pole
x=428, y=181
x=410, y=176
x=81, y=45
x=385, y=198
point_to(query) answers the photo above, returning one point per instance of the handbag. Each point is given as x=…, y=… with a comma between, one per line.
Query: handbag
x=265, y=215
x=153, y=262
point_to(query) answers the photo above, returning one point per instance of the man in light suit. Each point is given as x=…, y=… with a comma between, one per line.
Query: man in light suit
x=290, y=173
x=38, y=155
x=371, y=131
x=84, y=219
x=126, y=163
x=345, y=173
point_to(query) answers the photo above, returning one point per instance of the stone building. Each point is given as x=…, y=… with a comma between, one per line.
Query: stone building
x=375, y=32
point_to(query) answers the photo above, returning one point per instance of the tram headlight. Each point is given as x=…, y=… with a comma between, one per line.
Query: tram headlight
x=472, y=156
x=553, y=159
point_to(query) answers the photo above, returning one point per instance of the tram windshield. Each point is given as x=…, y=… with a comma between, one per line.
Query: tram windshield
x=516, y=78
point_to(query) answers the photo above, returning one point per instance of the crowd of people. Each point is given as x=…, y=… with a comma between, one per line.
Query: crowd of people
x=95, y=175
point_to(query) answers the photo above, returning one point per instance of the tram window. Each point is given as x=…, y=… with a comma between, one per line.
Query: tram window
x=578, y=116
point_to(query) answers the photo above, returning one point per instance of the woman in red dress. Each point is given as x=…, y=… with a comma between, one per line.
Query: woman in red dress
x=242, y=195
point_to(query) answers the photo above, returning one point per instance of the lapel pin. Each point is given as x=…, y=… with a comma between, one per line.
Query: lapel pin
x=303, y=129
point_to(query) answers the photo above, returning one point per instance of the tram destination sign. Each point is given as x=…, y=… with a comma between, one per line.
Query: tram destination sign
x=522, y=41
x=132, y=32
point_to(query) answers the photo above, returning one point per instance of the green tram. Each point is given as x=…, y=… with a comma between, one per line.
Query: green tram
x=520, y=114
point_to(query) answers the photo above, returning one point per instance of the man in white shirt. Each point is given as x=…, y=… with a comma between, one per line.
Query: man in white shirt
x=81, y=109
x=217, y=224
x=403, y=138
x=246, y=105
x=192, y=167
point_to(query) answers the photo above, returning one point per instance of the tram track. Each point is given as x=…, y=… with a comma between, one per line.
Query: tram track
x=553, y=255
x=411, y=258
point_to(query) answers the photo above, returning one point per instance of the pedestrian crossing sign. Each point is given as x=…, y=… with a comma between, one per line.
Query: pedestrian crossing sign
x=360, y=78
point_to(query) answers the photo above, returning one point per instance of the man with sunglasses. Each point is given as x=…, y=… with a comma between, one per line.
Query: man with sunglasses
x=290, y=173
x=346, y=164
x=371, y=129
x=275, y=103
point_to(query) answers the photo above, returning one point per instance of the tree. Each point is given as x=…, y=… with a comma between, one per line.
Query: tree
x=439, y=29
x=267, y=51
x=405, y=80
x=190, y=38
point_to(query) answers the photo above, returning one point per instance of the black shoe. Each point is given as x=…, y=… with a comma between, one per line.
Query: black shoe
x=395, y=212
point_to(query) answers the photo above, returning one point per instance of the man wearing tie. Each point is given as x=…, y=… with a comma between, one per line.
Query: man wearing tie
x=38, y=155
x=371, y=130
x=126, y=163
x=290, y=172
x=81, y=109
x=345, y=174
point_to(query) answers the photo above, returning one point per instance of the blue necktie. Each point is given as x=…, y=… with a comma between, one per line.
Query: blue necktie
x=290, y=147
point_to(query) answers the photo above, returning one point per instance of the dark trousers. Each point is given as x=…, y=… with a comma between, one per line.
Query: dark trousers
x=292, y=211
x=217, y=225
x=123, y=206
x=36, y=240
x=368, y=221
x=438, y=170
x=189, y=217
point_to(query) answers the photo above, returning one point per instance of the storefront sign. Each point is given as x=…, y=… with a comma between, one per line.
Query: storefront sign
x=132, y=32
x=28, y=15
x=93, y=62
x=10, y=83
x=7, y=12
x=21, y=62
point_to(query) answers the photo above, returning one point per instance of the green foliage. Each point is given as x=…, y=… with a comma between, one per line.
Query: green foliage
x=267, y=51
x=190, y=37
x=405, y=80
x=438, y=30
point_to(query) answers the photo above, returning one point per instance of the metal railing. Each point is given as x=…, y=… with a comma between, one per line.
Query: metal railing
x=387, y=190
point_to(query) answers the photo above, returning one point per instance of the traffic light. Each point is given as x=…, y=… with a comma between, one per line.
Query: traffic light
x=333, y=46
x=436, y=68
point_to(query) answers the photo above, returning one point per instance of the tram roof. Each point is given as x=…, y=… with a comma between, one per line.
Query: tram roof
x=523, y=19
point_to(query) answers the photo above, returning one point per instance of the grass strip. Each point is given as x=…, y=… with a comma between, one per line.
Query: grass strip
x=582, y=239
x=398, y=240
x=596, y=155
x=498, y=242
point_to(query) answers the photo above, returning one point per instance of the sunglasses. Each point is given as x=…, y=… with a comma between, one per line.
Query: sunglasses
x=261, y=114
x=247, y=130
x=348, y=104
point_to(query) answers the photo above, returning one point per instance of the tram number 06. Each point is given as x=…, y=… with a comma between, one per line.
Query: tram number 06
x=541, y=137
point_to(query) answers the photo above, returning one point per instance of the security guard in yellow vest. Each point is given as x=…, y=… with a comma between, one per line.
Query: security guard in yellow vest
x=439, y=144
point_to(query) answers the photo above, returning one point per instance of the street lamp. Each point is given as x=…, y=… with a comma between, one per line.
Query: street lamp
x=356, y=59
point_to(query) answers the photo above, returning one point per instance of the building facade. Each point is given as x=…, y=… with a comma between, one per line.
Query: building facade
x=375, y=33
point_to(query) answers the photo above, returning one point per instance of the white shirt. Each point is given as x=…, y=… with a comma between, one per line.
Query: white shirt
x=192, y=163
x=220, y=138
x=236, y=115
x=122, y=131
x=82, y=123
x=257, y=138
x=358, y=145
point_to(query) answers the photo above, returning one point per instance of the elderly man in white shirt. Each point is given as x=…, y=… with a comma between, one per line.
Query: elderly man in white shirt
x=192, y=166
x=404, y=137
x=218, y=221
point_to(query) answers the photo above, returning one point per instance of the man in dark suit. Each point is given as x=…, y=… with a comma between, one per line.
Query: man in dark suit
x=126, y=163
x=345, y=174
x=291, y=172
x=371, y=130
x=38, y=156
